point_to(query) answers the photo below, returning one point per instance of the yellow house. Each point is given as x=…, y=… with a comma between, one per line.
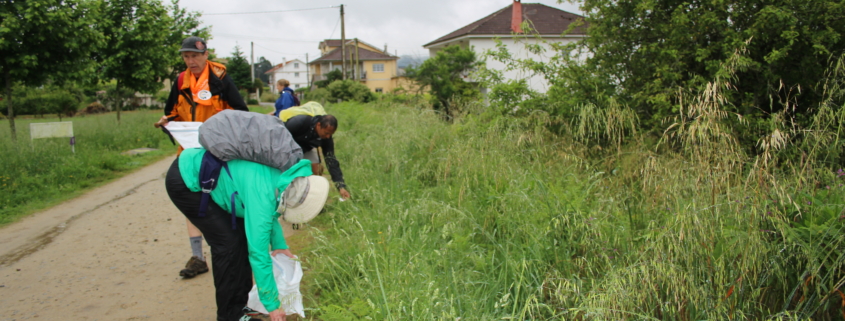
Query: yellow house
x=365, y=63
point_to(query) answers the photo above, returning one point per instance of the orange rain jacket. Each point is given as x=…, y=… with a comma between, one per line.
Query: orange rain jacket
x=224, y=95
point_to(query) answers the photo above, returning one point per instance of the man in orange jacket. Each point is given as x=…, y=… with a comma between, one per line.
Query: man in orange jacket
x=201, y=91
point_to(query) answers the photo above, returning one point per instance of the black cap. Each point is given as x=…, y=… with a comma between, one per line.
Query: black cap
x=195, y=44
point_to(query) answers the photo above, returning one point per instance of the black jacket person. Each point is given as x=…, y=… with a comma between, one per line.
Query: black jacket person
x=311, y=132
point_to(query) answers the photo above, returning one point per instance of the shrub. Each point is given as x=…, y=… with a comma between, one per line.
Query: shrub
x=349, y=90
x=319, y=94
x=162, y=96
x=268, y=96
x=252, y=102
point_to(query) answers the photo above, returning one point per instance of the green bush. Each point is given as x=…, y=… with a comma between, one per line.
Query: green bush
x=252, y=102
x=268, y=96
x=349, y=90
x=319, y=94
x=244, y=94
x=162, y=96
x=46, y=100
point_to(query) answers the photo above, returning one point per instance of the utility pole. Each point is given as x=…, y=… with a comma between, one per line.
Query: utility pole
x=358, y=72
x=342, y=45
x=307, y=73
x=252, y=66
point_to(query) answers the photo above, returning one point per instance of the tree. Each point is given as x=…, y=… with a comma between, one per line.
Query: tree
x=43, y=39
x=262, y=66
x=238, y=69
x=443, y=74
x=651, y=49
x=138, y=53
x=185, y=24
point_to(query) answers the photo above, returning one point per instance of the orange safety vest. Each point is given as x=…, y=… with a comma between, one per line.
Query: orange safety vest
x=187, y=110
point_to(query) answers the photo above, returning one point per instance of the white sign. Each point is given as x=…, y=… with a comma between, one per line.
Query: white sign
x=47, y=130
x=54, y=129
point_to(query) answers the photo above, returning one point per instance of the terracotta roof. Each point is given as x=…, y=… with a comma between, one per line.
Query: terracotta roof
x=366, y=54
x=544, y=19
x=280, y=66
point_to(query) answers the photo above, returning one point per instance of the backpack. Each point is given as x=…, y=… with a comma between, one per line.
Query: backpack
x=311, y=108
x=232, y=134
x=293, y=96
x=210, y=168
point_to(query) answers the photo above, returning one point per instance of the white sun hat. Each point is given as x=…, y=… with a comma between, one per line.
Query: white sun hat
x=304, y=199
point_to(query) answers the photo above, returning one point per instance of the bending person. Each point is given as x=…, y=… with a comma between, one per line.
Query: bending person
x=244, y=237
x=311, y=132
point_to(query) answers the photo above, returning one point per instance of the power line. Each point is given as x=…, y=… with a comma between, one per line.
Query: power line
x=261, y=38
x=283, y=53
x=257, y=12
x=335, y=28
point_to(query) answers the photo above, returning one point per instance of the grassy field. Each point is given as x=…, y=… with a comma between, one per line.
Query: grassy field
x=495, y=218
x=35, y=174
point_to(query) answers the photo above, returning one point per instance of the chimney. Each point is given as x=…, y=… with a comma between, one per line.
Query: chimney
x=516, y=16
x=385, y=50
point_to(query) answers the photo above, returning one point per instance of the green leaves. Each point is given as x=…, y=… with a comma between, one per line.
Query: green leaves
x=238, y=68
x=656, y=47
x=138, y=54
x=444, y=74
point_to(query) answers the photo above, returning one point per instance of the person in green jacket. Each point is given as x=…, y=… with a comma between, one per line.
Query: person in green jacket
x=241, y=223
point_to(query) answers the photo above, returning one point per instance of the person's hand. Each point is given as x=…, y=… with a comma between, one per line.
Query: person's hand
x=285, y=252
x=278, y=315
x=344, y=193
x=161, y=122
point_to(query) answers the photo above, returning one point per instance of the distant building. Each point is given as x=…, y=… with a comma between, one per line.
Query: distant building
x=295, y=71
x=365, y=63
x=505, y=24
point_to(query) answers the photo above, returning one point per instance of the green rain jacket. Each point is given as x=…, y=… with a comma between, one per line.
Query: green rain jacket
x=257, y=186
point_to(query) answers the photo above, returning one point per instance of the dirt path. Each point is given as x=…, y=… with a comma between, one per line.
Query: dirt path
x=111, y=254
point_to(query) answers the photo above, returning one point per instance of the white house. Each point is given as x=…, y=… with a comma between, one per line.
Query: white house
x=548, y=22
x=295, y=71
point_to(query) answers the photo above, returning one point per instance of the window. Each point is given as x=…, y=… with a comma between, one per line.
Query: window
x=296, y=74
x=379, y=90
x=296, y=86
x=378, y=67
x=295, y=65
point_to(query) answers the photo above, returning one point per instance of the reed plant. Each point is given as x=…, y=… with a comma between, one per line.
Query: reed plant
x=495, y=217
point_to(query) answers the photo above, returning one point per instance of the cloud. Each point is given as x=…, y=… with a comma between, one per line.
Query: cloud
x=403, y=25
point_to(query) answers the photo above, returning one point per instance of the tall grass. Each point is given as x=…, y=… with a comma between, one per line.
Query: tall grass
x=496, y=218
x=37, y=173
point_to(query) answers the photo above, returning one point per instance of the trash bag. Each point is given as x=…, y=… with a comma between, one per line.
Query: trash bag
x=260, y=138
x=311, y=108
x=185, y=132
x=288, y=274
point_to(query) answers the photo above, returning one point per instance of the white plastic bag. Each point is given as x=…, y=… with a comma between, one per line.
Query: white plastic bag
x=288, y=273
x=185, y=132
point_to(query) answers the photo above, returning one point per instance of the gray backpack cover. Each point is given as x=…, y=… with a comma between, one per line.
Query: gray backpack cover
x=260, y=138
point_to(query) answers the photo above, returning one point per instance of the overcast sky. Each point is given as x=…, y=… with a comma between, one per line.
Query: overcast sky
x=403, y=25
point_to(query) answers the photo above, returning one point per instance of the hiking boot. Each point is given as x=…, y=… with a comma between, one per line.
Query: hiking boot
x=195, y=266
